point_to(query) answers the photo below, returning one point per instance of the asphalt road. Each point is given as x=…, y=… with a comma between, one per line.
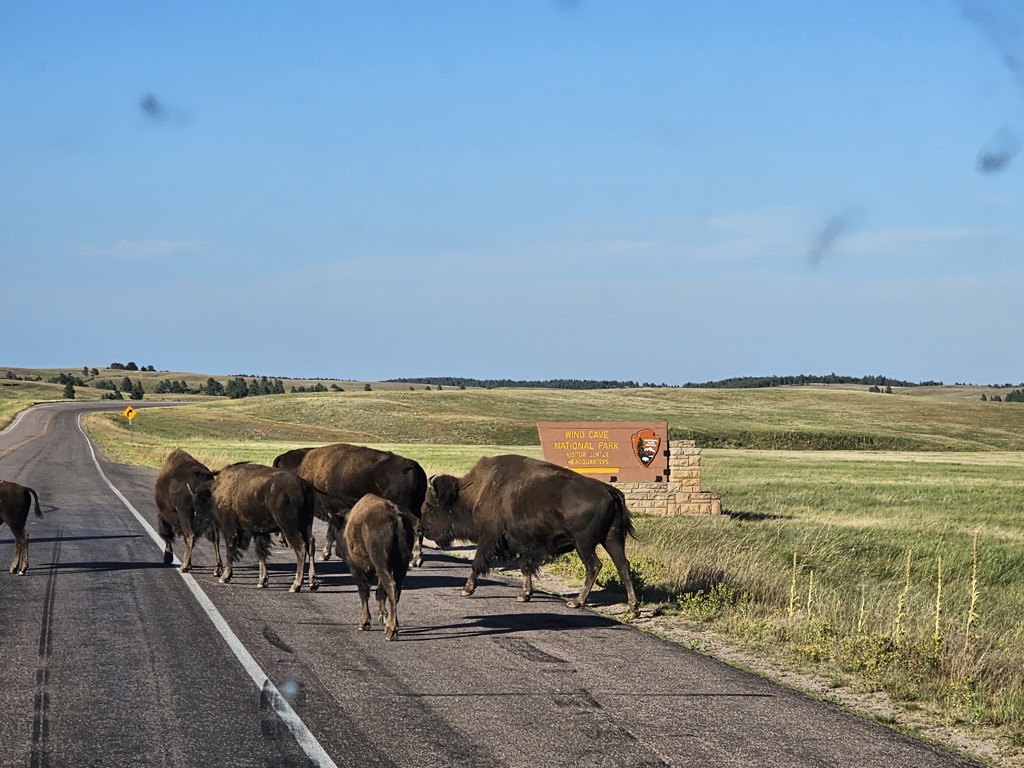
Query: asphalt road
x=110, y=658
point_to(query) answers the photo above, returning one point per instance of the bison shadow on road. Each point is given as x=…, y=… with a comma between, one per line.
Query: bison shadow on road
x=509, y=623
x=50, y=539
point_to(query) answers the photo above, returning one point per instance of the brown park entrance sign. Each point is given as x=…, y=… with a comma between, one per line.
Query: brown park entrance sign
x=614, y=451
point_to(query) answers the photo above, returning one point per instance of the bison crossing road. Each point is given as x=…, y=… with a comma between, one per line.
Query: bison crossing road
x=112, y=658
x=15, y=504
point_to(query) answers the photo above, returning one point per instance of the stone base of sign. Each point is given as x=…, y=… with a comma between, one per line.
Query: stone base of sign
x=681, y=495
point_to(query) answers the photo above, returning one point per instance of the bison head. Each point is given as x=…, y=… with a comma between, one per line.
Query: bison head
x=437, y=519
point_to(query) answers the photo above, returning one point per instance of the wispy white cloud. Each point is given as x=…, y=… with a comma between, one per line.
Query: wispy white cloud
x=140, y=250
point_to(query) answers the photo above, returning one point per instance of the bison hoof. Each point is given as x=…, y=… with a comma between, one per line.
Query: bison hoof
x=224, y=579
x=417, y=562
x=13, y=570
x=467, y=592
x=168, y=558
x=325, y=555
x=218, y=571
x=185, y=568
x=574, y=603
x=390, y=634
x=314, y=586
x=522, y=598
x=364, y=626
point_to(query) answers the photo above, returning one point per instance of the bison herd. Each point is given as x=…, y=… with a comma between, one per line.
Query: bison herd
x=378, y=507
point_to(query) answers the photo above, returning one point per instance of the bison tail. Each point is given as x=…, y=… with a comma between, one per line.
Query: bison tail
x=622, y=516
x=36, y=497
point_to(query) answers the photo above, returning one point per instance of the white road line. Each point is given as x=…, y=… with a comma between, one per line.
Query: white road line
x=306, y=740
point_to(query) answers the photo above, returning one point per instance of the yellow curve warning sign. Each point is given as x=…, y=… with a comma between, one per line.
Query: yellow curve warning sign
x=129, y=413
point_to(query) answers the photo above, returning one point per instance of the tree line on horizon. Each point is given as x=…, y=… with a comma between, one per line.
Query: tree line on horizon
x=738, y=382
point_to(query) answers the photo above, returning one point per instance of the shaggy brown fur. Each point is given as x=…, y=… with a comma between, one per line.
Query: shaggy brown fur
x=349, y=472
x=514, y=505
x=179, y=476
x=15, y=504
x=246, y=501
x=377, y=539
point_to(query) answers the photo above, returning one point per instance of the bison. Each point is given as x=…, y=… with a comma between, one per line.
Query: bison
x=179, y=476
x=515, y=505
x=376, y=537
x=352, y=471
x=15, y=504
x=245, y=501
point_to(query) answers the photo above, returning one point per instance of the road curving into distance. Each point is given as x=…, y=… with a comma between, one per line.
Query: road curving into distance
x=111, y=658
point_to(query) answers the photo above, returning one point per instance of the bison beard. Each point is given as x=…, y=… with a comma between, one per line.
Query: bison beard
x=514, y=505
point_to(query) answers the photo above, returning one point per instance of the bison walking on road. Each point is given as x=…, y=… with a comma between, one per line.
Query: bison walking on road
x=179, y=476
x=376, y=538
x=347, y=471
x=514, y=505
x=251, y=501
x=15, y=504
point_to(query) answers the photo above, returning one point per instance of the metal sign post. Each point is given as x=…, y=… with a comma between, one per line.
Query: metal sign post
x=130, y=414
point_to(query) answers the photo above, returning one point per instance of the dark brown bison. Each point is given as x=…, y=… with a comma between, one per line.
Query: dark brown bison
x=376, y=537
x=352, y=471
x=251, y=501
x=180, y=475
x=516, y=506
x=15, y=504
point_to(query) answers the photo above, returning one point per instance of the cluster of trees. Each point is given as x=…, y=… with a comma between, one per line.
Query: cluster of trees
x=133, y=389
x=1014, y=396
x=318, y=387
x=15, y=377
x=876, y=388
x=239, y=387
x=455, y=381
x=129, y=367
x=756, y=382
x=66, y=378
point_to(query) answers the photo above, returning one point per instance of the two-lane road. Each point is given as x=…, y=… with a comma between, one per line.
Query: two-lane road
x=110, y=658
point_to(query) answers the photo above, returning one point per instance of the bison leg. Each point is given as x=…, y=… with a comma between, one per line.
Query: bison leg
x=300, y=549
x=417, y=545
x=186, y=561
x=314, y=582
x=262, y=546
x=616, y=547
x=387, y=604
x=326, y=554
x=218, y=566
x=362, y=580
x=229, y=556
x=167, y=534
x=481, y=565
x=593, y=565
x=527, y=591
x=20, y=562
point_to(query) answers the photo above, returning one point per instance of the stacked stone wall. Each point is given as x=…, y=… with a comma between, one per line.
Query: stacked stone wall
x=679, y=493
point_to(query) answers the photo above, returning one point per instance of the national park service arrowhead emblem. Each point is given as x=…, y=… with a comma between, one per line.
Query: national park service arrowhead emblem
x=645, y=445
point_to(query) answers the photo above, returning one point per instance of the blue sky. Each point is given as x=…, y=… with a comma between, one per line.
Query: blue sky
x=656, y=191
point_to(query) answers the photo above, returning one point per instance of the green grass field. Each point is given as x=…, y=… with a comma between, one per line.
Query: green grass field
x=899, y=568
